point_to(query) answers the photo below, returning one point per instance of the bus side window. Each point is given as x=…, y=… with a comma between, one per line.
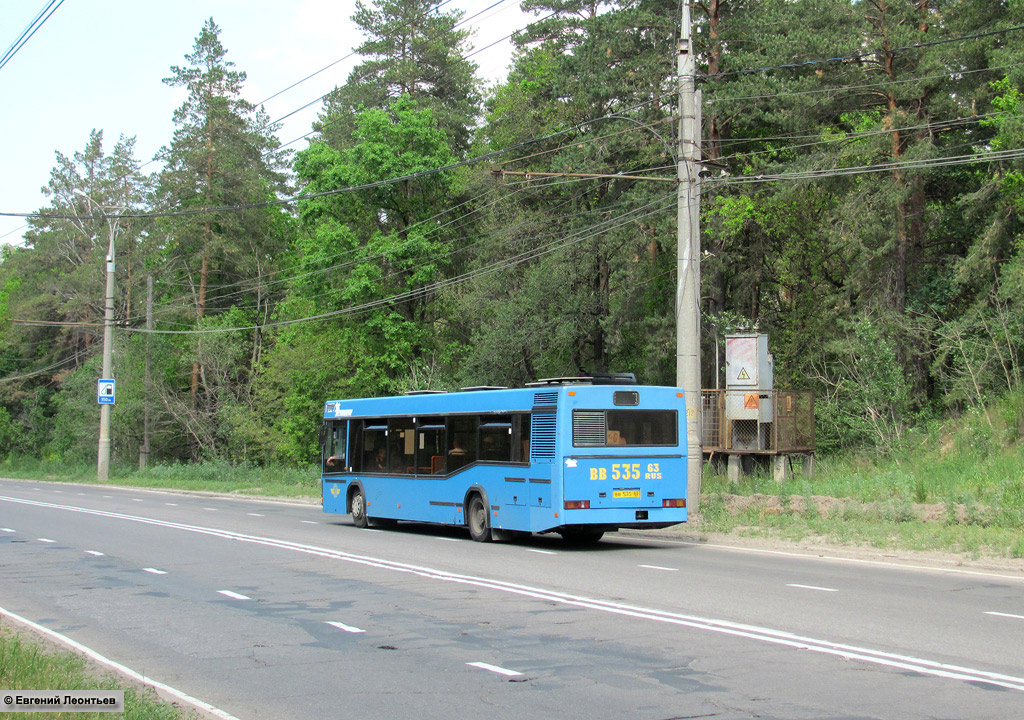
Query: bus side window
x=522, y=435
x=335, y=447
x=496, y=438
x=430, y=448
x=401, y=446
x=461, y=442
x=369, y=446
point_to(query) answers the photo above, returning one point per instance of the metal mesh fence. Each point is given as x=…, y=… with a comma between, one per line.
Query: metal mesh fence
x=791, y=426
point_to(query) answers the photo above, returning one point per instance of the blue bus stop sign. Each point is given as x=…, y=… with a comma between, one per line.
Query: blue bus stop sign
x=105, y=392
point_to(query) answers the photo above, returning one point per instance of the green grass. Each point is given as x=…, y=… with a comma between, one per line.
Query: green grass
x=221, y=477
x=966, y=474
x=28, y=665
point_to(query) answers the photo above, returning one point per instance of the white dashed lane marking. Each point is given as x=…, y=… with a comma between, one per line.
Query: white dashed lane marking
x=254, y=514
x=541, y=552
x=494, y=669
x=346, y=628
x=154, y=571
x=1005, y=615
x=97, y=553
x=811, y=587
x=234, y=595
x=659, y=567
x=47, y=540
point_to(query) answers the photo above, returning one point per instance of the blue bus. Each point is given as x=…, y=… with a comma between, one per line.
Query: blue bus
x=575, y=456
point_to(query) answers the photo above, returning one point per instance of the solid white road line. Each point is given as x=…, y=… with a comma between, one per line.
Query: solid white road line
x=811, y=587
x=659, y=567
x=494, y=669
x=122, y=669
x=154, y=571
x=816, y=557
x=234, y=595
x=97, y=553
x=346, y=628
x=1006, y=615
x=757, y=633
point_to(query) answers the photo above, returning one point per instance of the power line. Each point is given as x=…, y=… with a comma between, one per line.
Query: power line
x=916, y=164
x=525, y=185
x=339, y=191
x=863, y=56
x=879, y=84
x=646, y=210
x=29, y=31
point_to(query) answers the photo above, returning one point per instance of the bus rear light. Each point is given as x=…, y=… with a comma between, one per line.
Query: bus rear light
x=673, y=502
x=577, y=504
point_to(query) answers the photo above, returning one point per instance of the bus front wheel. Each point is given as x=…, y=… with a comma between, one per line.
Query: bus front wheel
x=358, y=508
x=479, y=524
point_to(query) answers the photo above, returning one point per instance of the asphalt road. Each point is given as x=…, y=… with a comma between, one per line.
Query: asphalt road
x=271, y=610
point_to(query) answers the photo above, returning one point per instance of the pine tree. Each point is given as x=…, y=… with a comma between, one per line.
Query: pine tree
x=223, y=155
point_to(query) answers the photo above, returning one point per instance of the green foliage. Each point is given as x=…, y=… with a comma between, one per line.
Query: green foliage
x=890, y=281
x=29, y=665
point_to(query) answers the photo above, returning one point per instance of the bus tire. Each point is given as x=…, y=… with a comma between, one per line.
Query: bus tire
x=357, y=508
x=478, y=521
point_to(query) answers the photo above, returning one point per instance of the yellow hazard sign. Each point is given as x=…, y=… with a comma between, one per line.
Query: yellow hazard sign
x=743, y=374
x=750, y=401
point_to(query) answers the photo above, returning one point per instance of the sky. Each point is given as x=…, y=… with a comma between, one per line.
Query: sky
x=99, y=64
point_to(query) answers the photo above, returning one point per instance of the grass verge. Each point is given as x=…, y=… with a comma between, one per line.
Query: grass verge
x=26, y=664
x=956, y=487
x=221, y=477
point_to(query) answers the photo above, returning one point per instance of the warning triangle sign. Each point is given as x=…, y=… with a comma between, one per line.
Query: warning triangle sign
x=743, y=374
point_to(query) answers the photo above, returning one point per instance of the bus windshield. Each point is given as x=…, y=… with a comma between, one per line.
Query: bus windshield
x=629, y=428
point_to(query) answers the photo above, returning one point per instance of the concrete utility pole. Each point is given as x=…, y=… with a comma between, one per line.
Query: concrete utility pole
x=688, y=257
x=144, y=450
x=103, y=454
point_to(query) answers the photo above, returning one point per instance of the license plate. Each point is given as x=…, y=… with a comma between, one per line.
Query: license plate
x=625, y=493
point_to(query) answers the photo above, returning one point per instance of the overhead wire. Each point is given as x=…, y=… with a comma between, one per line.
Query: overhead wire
x=640, y=213
x=170, y=306
x=863, y=55
x=29, y=31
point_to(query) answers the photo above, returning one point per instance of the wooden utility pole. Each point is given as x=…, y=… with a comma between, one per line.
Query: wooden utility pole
x=688, y=257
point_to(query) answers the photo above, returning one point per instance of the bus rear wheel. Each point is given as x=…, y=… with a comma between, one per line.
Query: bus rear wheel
x=358, y=509
x=479, y=523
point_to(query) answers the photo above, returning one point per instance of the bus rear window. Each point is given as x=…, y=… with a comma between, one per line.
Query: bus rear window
x=629, y=428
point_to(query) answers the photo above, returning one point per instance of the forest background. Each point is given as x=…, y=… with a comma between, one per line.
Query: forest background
x=864, y=208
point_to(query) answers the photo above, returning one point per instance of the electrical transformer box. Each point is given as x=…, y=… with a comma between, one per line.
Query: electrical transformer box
x=749, y=385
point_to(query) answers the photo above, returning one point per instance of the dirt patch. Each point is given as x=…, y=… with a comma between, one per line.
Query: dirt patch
x=828, y=507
